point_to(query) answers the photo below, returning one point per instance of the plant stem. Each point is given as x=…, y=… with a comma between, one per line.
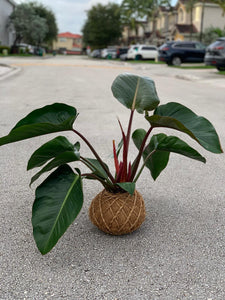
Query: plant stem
x=140, y=171
x=92, y=167
x=95, y=154
x=138, y=158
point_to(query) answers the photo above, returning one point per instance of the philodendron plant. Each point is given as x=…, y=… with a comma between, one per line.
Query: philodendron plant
x=59, y=198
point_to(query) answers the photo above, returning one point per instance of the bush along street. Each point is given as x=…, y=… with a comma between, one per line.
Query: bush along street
x=59, y=198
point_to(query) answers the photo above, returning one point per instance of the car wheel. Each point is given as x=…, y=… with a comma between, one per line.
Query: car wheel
x=220, y=68
x=176, y=61
x=138, y=57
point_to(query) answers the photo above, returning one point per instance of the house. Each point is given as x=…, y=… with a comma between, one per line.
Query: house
x=69, y=43
x=192, y=22
x=7, y=34
x=179, y=23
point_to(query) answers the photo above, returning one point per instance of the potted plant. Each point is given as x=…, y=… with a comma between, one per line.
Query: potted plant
x=119, y=208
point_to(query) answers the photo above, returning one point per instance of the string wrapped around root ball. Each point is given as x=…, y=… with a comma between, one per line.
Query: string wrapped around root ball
x=118, y=213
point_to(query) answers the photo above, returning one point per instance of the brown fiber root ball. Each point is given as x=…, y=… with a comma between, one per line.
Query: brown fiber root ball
x=118, y=213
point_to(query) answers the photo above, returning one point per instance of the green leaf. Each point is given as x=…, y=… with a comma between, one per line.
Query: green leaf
x=157, y=152
x=138, y=136
x=57, y=203
x=48, y=119
x=158, y=161
x=96, y=167
x=176, y=145
x=61, y=159
x=127, y=186
x=135, y=92
x=176, y=116
x=49, y=150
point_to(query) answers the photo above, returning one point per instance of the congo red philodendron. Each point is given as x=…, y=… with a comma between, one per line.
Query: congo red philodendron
x=55, y=209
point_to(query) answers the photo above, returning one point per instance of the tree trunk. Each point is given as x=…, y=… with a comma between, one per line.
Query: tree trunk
x=202, y=21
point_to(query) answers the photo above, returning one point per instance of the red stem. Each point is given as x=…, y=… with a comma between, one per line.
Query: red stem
x=115, y=158
x=138, y=158
x=95, y=154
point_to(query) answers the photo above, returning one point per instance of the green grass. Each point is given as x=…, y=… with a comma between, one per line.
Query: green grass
x=221, y=73
x=24, y=54
x=145, y=61
x=193, y=67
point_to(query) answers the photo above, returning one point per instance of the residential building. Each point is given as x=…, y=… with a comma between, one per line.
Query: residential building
x=191, y=23
x=7, y=34
x=178, y=23
x=69, y=43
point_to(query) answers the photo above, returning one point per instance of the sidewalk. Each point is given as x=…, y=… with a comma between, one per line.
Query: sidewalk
x=7, y=70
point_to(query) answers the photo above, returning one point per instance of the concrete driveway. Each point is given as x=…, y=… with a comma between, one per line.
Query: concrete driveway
x=178, y=253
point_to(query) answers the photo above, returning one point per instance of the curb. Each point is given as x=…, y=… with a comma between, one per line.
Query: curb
x=10, y=72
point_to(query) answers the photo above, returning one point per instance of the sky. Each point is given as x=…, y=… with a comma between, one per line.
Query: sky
x=71, y=14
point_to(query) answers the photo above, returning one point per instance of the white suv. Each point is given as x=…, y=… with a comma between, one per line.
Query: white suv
x=139, y=52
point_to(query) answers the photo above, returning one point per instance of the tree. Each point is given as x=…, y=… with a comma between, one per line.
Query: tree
x=103, y=25
x=33, y=23
x=49, y=16
x=132, y=10
x=212, y=33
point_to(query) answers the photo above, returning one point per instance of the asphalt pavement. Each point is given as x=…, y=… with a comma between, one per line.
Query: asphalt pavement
x=177, y=254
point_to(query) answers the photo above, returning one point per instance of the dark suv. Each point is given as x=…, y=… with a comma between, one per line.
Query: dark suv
x=215, y=54
x=175, y=53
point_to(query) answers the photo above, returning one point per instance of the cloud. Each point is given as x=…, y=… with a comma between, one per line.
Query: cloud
x=70, y=14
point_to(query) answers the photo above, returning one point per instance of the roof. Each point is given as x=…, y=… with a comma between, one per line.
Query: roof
x=185, y=28
x=69, y=35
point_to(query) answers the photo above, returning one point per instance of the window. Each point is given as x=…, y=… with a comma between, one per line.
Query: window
x=181, y=15
x=62, y=40
x=148, y=48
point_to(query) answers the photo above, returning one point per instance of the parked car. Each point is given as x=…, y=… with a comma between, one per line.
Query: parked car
x=123, y=56
x=131, y=53
x=139, y=52
x=96, y=53
x=175, y=53
x=108, y=53
x=121, y=50
x=215, y=54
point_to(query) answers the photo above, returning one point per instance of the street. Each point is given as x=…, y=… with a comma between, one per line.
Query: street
x=178, y=253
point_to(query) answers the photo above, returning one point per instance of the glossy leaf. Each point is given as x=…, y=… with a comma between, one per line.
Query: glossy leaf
x=61, y=159
x=157, y=152
x=50, y=150
x=138, y=136
x=176, y=116
x=176, y=145
x=135, y=92
x=57, y=203
x=158, y=161
x=51, y=118
x=127, y=186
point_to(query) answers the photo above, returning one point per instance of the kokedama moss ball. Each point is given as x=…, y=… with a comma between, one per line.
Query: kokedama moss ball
x=118, y=213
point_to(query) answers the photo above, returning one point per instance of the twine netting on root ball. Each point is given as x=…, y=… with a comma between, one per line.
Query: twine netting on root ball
x=118, y=213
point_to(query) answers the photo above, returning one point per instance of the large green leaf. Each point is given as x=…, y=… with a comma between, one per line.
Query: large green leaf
x=61, y=159
x=57, y=203
x=176, y=145
x=48, y=119
x=158, y=160
x=156, y=154
x=135, y=92
x=176, y=116
x=49, y=150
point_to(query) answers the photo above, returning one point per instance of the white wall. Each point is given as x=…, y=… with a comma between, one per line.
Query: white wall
x=6, y=36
